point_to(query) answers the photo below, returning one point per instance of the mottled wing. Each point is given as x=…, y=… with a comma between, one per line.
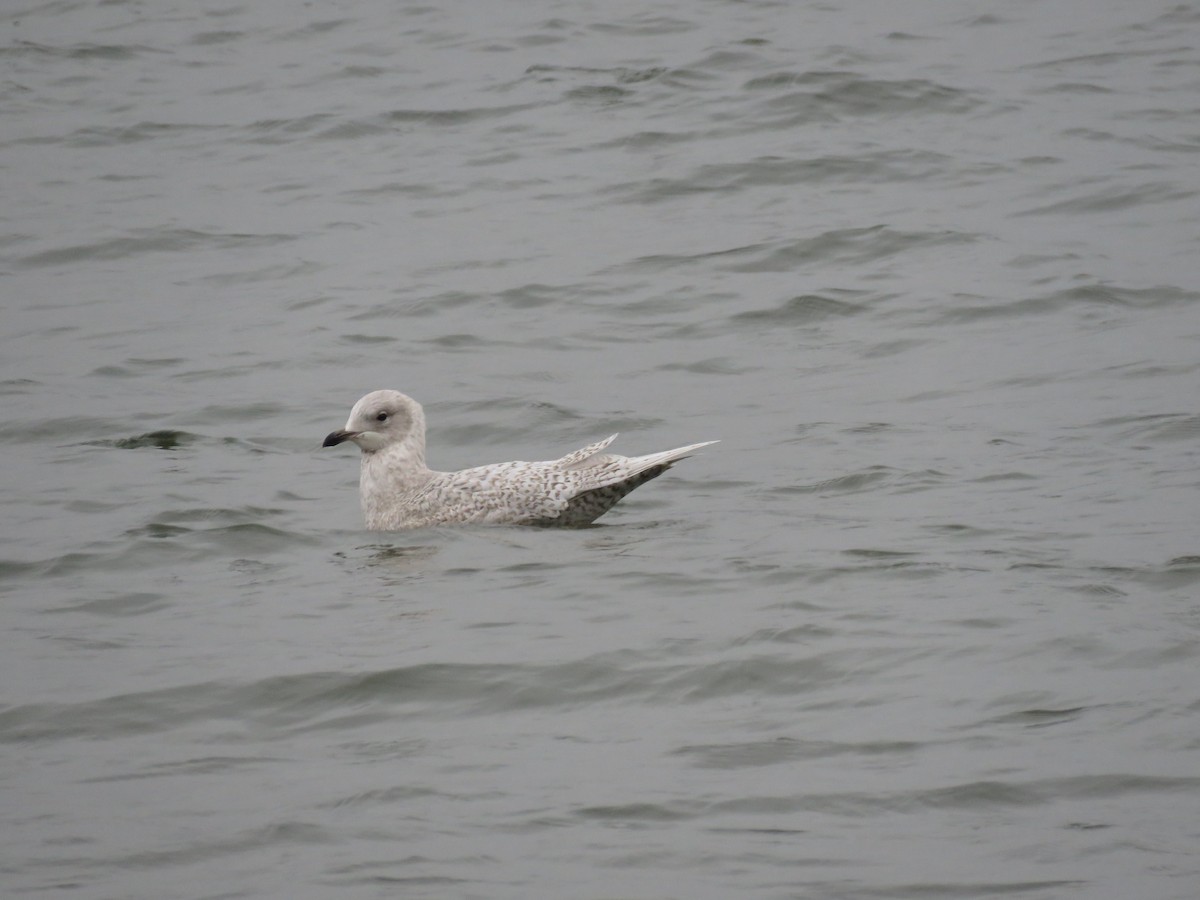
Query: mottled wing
x=503, y=493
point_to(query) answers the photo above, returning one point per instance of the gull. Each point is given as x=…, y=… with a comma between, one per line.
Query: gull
x=399, y=491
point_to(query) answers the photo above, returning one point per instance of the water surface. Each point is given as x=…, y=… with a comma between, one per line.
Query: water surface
x=924, y=624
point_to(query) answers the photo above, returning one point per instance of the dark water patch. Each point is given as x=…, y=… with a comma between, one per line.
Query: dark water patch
x=465, y=342
x=713, y=366
x=636, y=812
x=239, y=538
x=1113, y=199
x=417, y=190
x=273, y=701
x=1157, y=427
x=869, y=428
x=253, y=538
x=451, y=117
x=228, y=371
x=602, y=93
x=120, y=135
x=617, y=74
x=837, y=95
x=254, y=274
x=1037, y=718
x=1099, y=590
x=367, y=339
x=204, y=765
x=224, y=515
x=891, y=347
x=770, y=675
x=883, y=567
x=787, y=750
x=850, y=246
x=18, y=387
x=798, y=634
x=81, y=51
x=422, y=306
x=528, y=296
x=959, y=531
x=775, y=172
x=280, y=131
x=800, y=310
x=1004, y=476
x=359, y=128
x=138, y=551
x=18, y=568
x=645, y=140
x=360, y=71
x=158, y=545
x=258, y=569
x=1073, y=87
x=1089, y=60
x=662, y=306
x=922, y=480
x=148, y=241
x=961, y=890
x=534, y=296
x=134, y=368
x=685, y=78
x=1094, y=295
x=213, y=38
x=382, y=797
x=974, y=795
x=876, y=554
x=1180, y=572
x=14, y=238
x=1154, y=370
x=379, y=874
x=156, y=440
x=1116, y=784
x=313, y=29
x=1035, y=260
x=405, y=559
x=729, y=60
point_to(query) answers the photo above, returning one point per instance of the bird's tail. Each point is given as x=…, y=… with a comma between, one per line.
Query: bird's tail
x=667, y=457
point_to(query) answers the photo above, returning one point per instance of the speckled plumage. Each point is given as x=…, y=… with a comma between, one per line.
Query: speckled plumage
x=399, y=491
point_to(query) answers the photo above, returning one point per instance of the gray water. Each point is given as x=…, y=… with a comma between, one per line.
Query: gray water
x=924, y=624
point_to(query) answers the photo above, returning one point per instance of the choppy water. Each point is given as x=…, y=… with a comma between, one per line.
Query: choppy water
x=924, y=624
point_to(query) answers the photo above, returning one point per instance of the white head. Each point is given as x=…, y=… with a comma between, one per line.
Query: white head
x=383, y=419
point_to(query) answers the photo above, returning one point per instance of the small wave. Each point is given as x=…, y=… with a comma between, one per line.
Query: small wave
x=167, y=240
x=158, y=440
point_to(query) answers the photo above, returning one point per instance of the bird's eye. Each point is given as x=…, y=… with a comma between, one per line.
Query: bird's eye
x=382, y=417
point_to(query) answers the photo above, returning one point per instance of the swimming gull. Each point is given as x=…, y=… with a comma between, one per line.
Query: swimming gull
x=399, y=491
